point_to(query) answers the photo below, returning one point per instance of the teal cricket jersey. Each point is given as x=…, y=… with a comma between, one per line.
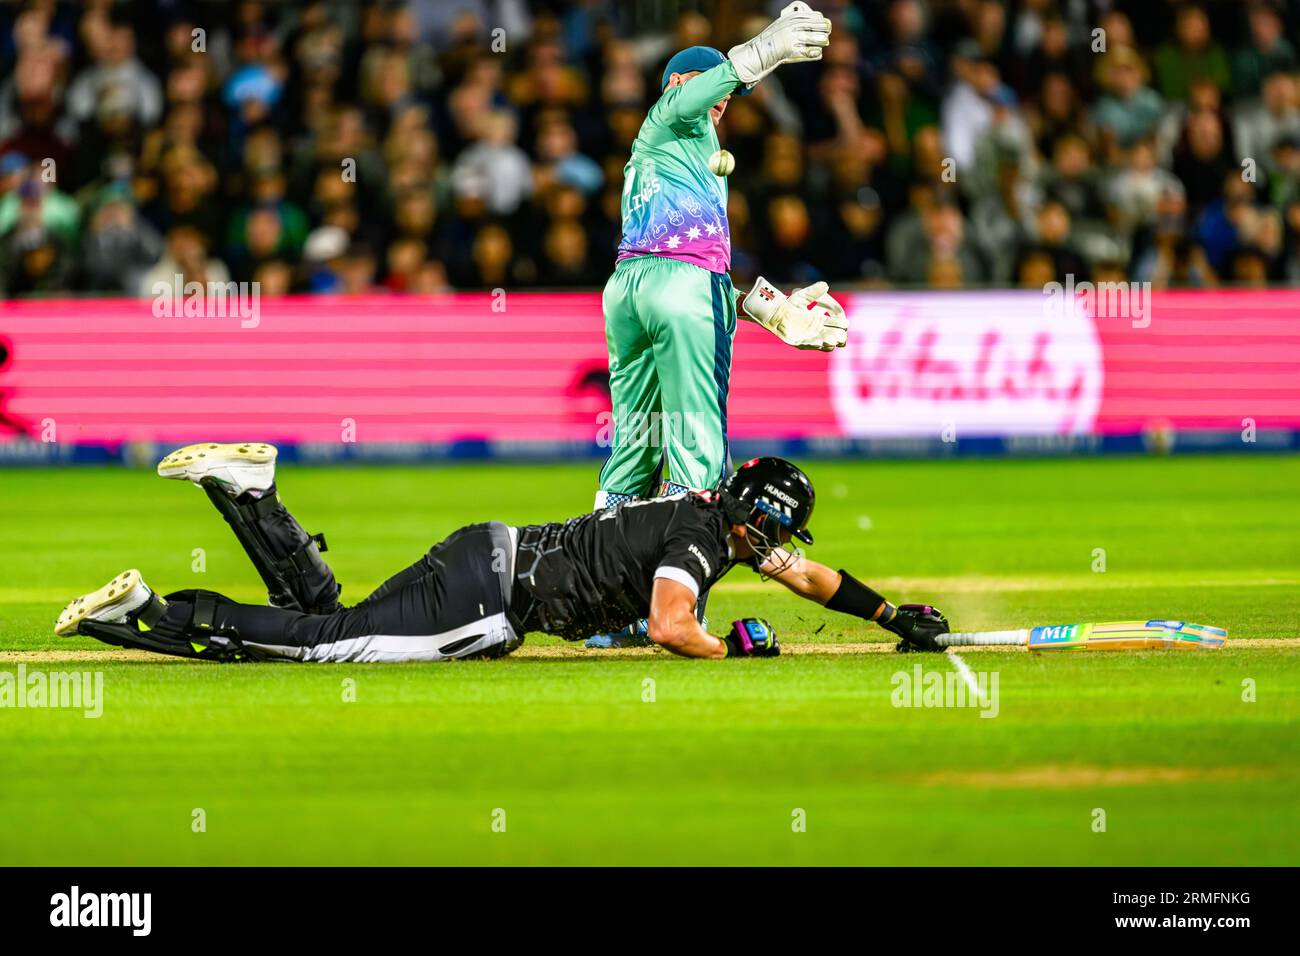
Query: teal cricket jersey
x=673, y=204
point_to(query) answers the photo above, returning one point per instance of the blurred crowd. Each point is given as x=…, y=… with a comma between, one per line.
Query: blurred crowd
x=428, y=145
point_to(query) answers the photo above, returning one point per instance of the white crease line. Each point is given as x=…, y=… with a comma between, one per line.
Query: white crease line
x=966, y=675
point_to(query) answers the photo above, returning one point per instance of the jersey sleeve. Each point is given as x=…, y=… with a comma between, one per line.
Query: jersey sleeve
x=684, y=106
x=691, y=554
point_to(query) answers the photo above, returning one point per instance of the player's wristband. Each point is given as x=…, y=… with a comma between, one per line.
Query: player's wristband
x=886, y=614
x=854, y=597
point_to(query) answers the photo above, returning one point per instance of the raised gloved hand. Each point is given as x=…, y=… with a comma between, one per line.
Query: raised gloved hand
x=752, y=637
x=917, y=624
x=796, y=36
x=807, y=318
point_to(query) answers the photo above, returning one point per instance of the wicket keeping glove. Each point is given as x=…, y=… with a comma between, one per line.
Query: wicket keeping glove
x=807, y=318
x=796, y=36
x=917, y=624
x=752, y=637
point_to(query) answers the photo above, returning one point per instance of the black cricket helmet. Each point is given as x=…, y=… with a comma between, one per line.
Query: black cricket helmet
x=776, y=496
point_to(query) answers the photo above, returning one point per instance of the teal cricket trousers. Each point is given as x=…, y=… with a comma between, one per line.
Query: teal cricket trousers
x=669, y=328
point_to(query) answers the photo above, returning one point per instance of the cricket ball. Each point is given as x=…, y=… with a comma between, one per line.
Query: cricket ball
x=722, y=163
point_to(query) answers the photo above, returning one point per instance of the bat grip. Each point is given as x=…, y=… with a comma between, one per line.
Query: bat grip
x=983, y=639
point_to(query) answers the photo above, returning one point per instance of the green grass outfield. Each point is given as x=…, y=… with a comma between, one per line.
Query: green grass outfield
x=718, y=768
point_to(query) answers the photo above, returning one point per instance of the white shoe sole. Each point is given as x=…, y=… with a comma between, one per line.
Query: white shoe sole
x=110, y=604
x=239, y=466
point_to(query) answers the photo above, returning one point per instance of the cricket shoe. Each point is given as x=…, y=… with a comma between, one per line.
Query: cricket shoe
x=237, y=467
x=120, y=601
x=634, y=635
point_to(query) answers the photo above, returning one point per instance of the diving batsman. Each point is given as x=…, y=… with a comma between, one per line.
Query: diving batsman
x=477, y=593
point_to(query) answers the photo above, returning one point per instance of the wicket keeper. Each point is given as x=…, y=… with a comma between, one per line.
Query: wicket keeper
x=670, y=309
x=481, y=590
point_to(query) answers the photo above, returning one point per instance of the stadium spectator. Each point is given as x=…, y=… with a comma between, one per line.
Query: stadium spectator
x=35, y=260
x=1135, y=191
x=38, y=202
x=491, y=259
x=357, y=270
x=998, y=221
x=323, y=257
x=185, y=254
x=1129, y=110
x=1073, y=181
x=118, y=246
x=1202, y=159
x=1052, y=237
x=1059, y=111
x=115, y=75
x=967, y=112
x=1228, y=223
x=30, y=121
x=943, y=235
x=1261, y=123
x=13, y=172
x=912, y=49
x=1267, y=51
x=1046, y=50
x=1284, y=172
x=1202, y=97
x=406, y=257
x=559, y=161
x=900, y=115
x=494, y=169
x=1190, y=55
x=187, y=195
x=1162, y=251
x=566, y=257
x=267, y=226
x=1008, y=140
x=1291, y=218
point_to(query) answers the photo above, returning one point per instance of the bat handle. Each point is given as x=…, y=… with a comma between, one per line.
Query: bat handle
x=984, y=639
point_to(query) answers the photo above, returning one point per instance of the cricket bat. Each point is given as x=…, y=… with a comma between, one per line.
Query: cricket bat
x=1113, y=636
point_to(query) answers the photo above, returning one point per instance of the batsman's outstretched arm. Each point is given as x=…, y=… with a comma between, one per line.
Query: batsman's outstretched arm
x=808, y=579
x=673, y=625
x=917, y=624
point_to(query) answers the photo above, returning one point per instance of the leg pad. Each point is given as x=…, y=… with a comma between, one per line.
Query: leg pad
x=286, y=558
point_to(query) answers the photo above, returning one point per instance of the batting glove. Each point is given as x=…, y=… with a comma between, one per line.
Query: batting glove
x=796, y=36
x=752, y=637
x=917, y=624
x=807, y=318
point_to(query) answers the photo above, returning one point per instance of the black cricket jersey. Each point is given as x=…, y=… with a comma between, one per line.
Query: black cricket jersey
x=594, y=573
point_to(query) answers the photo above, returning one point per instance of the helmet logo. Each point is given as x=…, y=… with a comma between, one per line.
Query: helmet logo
x=780, y=495
x=781, y=514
